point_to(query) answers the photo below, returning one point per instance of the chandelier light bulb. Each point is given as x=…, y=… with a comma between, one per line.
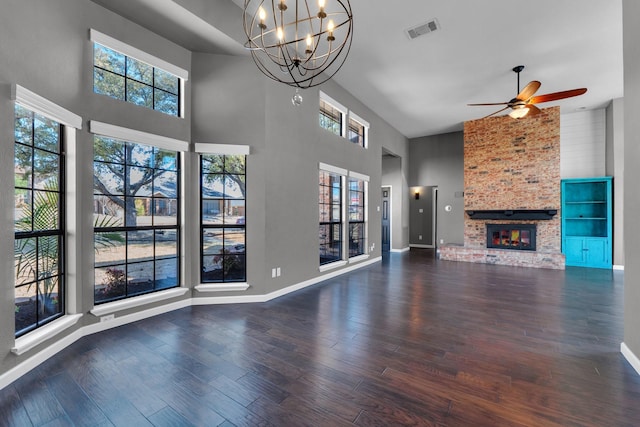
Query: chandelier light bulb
x=330, y=28
x=309, y=50
x=280, y=34
x=262, y=14
x=321, y=13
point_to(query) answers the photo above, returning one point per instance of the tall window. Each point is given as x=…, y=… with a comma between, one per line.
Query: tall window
x=39, y=220
x=357, y=229
x=330, y=205
x=136, y=207
x=127, y=79
x=222, y=218
x=331, y=117
x=357, y=132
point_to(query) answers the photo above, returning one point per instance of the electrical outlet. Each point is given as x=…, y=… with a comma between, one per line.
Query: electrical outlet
x=107, y=318
x=420, y=237
x=278, y=271
x=441, y=241
x=273, y=272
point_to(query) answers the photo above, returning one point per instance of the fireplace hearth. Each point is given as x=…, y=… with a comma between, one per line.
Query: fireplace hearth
x=520, y=237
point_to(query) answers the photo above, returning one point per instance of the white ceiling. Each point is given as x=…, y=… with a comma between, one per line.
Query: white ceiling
x=421, y=86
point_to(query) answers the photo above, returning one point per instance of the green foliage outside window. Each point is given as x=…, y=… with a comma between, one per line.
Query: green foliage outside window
x=127, y=79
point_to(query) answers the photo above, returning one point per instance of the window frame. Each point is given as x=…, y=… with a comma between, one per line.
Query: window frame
x=156, y=63
x=354, y=176
x=126, y=135
x=324, y=98
x=202, y=148
x=345, y=175
x=222, y=227
x=365, y=129
x=330, y=205
x=69, y=123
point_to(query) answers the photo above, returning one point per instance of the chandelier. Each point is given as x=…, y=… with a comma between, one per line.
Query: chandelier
x=299, y=43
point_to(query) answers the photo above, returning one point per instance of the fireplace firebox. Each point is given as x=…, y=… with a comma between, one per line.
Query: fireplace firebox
x=512, y=236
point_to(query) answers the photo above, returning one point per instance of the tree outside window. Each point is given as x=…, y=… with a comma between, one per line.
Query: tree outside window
x=136, y=217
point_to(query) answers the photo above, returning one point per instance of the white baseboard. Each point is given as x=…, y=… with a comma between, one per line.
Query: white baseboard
x=631, y=358
x=400, y=250
x=421, y=246
x=32, y=362
x=618, y=267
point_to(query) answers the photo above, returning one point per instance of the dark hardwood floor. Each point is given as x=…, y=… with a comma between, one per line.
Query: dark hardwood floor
x=409, y=341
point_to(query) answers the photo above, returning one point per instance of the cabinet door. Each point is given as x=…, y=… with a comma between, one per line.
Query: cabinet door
x=574, y=251
x=596, y=252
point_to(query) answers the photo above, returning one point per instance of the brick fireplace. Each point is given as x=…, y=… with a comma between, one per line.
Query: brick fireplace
x=511, y=166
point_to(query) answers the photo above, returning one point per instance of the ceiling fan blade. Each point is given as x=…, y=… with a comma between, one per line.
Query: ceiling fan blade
x=499, y=111
x=557, y=95
x=533, y=110
x=491, y=103
x=528, y=91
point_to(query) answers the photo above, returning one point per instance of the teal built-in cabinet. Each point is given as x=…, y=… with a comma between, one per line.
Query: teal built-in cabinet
x=586, y=222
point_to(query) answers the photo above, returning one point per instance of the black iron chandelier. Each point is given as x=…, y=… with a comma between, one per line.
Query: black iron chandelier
x=300, y=43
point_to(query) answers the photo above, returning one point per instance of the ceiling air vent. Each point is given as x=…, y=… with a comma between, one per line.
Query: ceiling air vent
x=422, y=29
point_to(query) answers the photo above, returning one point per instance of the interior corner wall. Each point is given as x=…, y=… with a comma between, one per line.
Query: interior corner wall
x=439, y=161
x=392, y=176
x=631, y=35
x=615, y=168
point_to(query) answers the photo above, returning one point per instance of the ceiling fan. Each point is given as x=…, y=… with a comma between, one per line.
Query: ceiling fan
x=524, y=103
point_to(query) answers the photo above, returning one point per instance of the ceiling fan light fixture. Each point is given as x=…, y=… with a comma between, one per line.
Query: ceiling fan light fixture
x=519, y=113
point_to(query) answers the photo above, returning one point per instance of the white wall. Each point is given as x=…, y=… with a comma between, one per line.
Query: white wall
x=582, y=144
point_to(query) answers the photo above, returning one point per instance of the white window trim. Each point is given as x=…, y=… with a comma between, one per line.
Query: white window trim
x=222, y=287
x=131, y=135
x=71, y=121
x=328, y=168
x=343, y=110
x=44, y=107
x=43, y=333
x=134, y=302
x=225, y=149
x=130, y=51
x=364, y=123
x=332, y=265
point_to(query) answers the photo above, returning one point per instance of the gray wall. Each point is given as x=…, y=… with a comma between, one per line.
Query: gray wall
x=439, y=161
x=631, y=34
x=615, y=168
x=45, y=47
x=421, y=216
x=234, y=104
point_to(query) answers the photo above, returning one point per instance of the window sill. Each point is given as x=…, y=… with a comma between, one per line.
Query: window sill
x=40, y=335
x=332, y=266
x=112, y=307
x=221, y=287
x=358, y=258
